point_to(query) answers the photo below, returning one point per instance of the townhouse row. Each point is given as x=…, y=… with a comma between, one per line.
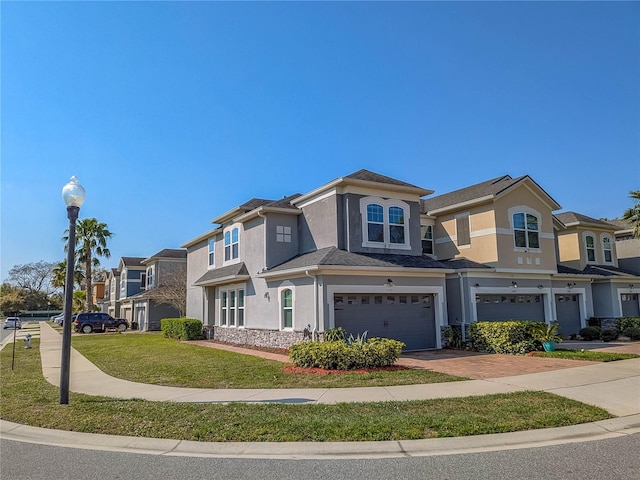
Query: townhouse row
x=367, y=252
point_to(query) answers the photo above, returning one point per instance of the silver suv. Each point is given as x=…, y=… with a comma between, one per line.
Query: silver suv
x=99, y=322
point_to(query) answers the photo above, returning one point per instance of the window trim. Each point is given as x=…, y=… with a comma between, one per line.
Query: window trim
x=211, y=249
x=526, y=211
x=238, y=293
x=386, y=223
x=231, y=239
x=281, y=307
x=284, y=234
x=603, y=237
x=457, y=218
x=424, y=229
x=585, y=236
x=149, y=277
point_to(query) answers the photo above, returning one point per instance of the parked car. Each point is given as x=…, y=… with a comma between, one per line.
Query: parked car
x=97, y=322
x=58, y=318
x=14, y=323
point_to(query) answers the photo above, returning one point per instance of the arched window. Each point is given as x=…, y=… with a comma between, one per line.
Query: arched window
x=591, y=248
x=287, y=308
x=385, y=223
x=607, y=252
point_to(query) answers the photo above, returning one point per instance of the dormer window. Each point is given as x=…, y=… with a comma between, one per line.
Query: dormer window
x=231, y=244
x=607, y=252
x=385, y=223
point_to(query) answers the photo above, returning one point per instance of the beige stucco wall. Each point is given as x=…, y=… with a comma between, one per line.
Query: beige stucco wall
x=573, y=251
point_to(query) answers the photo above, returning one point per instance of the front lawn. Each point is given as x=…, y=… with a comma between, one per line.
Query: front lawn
x=28, y=399
x=591, y=355
x=152, y=358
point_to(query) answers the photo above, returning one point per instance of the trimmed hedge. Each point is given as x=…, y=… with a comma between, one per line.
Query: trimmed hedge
x=632, y=332
x=627, y=322
x=510, y=337
x=338, y=355
x=590, y=333
x=181, y=328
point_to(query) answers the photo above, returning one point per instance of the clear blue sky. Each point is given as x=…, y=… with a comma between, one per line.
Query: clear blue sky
x=171, y=113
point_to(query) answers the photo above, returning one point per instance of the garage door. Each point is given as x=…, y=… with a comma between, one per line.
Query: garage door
x=568, y=311
x=630, y=307
x=408, y=318
x=509, y=307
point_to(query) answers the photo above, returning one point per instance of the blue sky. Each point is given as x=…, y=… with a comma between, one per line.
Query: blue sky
x=171, y=113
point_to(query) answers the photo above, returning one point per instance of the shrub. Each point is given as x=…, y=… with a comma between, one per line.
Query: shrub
x=453, y=334
x=609, y=334
x=335, y=334
x=594, y=322
x=626, y=322
x=511, y=337
x=336, y=355
x=590, y=333
x=632, y=332
x=181, y=328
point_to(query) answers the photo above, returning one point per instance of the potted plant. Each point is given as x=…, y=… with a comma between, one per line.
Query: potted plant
x=547, y=334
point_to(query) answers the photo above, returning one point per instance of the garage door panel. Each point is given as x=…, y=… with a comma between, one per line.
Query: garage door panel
x=509, y=307
x=407, y=318
x=568, y=314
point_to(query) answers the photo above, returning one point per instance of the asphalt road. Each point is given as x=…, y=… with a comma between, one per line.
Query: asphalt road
x=610, y=459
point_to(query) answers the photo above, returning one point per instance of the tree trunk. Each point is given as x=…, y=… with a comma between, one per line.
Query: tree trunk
x=88, y=280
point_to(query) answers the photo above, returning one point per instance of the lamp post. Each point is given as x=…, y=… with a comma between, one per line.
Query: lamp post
x=73, y=195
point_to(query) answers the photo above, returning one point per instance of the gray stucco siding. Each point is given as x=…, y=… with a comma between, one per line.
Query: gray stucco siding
x=318, y=225
x=197, y=262
x=280, y=252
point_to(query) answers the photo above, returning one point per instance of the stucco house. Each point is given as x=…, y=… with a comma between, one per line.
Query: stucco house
x=627, y=246
x=587, y=246
x=347, y=254
x=367, y=252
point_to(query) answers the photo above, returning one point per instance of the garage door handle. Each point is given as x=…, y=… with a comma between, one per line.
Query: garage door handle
x=385, y=323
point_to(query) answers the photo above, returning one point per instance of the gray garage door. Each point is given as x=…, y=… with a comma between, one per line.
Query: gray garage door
x=509, y=307
x=568, y=311
x=408, y=318
x=630, y=307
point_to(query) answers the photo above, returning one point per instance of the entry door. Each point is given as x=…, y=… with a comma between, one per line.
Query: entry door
x=568, y=311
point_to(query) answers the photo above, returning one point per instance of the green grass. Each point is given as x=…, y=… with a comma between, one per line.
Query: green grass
x=590, y=355
x=28, y=399
x=152, y=358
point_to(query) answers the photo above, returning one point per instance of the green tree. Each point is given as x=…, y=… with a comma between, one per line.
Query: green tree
x=59, y=275
x=91, y=242
x=632, y=215
x=12, y=299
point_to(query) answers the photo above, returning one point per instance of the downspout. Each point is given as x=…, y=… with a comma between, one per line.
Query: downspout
x=464, y=307
x=316, y=325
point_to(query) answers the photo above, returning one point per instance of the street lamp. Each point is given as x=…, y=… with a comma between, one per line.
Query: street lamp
x=73, y=195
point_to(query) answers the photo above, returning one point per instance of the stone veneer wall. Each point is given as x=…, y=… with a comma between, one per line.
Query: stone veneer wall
x=259, y=338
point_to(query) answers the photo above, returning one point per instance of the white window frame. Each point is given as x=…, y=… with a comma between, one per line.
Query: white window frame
x=283, y=234
x=150, y=277
x=230, y=243
x=281, y=307
x=526, y=211
x=593, y=236
x=424, y=230
x=386, y=224
x=211, y=249
x=603, y=240
x=123, y=283
x=235, y=312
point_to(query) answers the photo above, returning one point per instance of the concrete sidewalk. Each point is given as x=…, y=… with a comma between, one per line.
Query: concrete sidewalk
x=614, y=386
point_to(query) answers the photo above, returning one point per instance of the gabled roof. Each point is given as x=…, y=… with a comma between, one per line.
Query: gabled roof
x=167, y=254
x=571, y=219
x=332, y=256
x=132, y=261
x=597, y=270
x=463, y=264
x=365, y=178
x=257, y=204
x=480, y=193
x=621, y=225
x=228, y=274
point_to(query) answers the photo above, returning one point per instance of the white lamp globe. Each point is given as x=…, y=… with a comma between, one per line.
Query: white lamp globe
x=73, y=193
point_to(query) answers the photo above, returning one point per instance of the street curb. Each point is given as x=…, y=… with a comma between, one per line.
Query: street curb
x=604, y=429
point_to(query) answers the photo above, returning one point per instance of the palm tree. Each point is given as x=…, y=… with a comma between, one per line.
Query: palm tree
x=632, y=215
x=91, y=242
x=59, y=275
